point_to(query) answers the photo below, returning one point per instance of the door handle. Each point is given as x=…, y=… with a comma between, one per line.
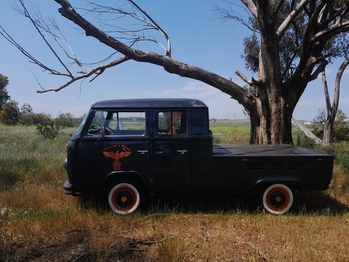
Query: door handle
x=158, y=152
x=142, y=151
x=182, y=151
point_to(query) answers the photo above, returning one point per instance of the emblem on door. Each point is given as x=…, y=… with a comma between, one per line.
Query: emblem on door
x=117, y=152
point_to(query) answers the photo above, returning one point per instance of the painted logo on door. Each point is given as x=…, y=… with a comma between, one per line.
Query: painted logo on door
x=117, y=152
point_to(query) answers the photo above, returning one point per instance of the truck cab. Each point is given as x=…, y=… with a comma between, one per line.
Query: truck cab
x=156, y=145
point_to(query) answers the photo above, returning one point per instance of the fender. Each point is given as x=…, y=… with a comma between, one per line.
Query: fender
x=122, y=174
x=294, y=181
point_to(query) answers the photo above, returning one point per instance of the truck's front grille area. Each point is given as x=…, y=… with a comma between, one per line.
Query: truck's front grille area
x=263, y=166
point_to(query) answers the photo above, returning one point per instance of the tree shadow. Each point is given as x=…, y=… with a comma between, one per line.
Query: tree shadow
x=306, y=203
x=202, y=203
x=318, y=203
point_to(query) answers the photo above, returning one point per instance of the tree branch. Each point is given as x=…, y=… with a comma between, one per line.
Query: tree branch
x=98, y=71
x=289, y=19
x=169, y=64
x=168, y=51
x=27, y=14
x=299, y=125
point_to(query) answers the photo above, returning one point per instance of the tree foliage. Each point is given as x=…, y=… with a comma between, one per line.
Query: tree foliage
x=48, y=129
x=9, y=114
x=340, y=130
x=67, y=120
x=4, y=97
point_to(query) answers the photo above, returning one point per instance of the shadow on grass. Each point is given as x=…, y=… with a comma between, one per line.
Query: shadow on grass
x=318, y=203
x=310, y=203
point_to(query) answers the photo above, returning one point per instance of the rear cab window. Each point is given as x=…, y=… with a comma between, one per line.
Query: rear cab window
x=172, y=123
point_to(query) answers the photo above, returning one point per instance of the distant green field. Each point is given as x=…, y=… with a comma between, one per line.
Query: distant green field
x=230, y=131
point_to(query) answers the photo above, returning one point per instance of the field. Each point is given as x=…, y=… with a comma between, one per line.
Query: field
x=39, y=223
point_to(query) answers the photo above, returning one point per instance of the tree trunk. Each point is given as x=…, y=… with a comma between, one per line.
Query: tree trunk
x=327, y=138
x=270, y=124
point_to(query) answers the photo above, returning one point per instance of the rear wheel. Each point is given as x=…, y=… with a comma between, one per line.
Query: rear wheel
x=277, y=198
x=125, y=197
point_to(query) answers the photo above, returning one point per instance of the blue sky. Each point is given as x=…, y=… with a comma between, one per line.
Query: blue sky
x=197, y=39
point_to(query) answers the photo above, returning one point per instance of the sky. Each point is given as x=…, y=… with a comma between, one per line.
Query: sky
x=198, y=38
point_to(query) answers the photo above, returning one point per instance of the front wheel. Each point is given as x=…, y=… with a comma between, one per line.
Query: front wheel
x=125, y=198
x=277, y=198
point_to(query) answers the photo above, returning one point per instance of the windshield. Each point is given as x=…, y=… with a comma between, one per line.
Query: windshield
x=78, y=130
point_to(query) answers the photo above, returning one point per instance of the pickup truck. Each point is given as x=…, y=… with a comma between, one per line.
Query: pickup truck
x=128, y=149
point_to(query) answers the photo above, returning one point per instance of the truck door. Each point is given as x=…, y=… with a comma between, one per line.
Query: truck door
x=171, y=152
x=115, y=141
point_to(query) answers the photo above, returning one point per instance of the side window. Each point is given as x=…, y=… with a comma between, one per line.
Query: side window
x=118, y=123
x=172, y=122
x=125, y=123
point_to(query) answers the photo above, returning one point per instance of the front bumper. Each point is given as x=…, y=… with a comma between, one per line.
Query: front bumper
x=68, y=188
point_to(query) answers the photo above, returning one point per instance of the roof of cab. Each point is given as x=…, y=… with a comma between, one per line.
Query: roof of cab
x=150, y=103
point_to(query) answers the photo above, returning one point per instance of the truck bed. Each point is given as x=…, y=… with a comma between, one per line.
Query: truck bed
x=263, y=150
x=241, y=167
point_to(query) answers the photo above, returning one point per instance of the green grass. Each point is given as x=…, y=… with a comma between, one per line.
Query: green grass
x=26, y=156
x=230, y=131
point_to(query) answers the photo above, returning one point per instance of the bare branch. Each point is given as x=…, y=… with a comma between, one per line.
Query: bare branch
x=251, y=6
x=337, y=85
x=135, y=34
x=27, y=14
x=282, y=28
x=327, y=94
x=243, y=77
x=299, y=125
x=168, y=52
x=318, y=70
x=231, y=13
x=98, y=71
x=330, y=31
x=27, y=54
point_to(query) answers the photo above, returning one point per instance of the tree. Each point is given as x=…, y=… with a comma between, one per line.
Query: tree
x=67, y=120
x=328, y=117
x=340, y=127
x=4, y=97
x=9, y=113
x=281, y=79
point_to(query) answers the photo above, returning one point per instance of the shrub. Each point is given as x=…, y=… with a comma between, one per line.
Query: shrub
x=67, y=120
x=9, y=113
x=303, y=141
x=48, y=129
x=34, y=119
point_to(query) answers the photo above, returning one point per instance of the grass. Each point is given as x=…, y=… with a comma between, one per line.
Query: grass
x=39, y=223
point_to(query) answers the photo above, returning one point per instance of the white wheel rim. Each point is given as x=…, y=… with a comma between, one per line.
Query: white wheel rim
x=124, y=198
x=277, y=199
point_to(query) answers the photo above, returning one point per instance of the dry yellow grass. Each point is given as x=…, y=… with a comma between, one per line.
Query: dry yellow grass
x=39, y=223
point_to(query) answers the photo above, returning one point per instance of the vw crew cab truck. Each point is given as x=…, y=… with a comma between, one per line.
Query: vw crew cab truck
x=128, y=149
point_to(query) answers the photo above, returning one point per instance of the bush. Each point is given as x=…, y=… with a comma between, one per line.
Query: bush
x=48, y=129
x=34, y=119
x=9, y=114
x=67, y=120
x=304, y=141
